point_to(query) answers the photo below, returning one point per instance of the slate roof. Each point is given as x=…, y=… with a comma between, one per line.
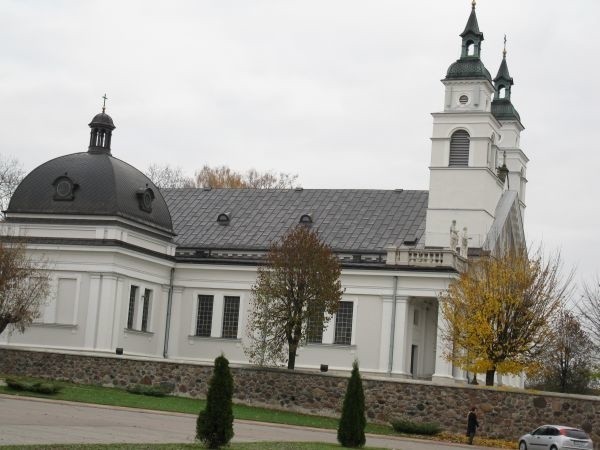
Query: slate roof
x=106, y=186
x=349, y=220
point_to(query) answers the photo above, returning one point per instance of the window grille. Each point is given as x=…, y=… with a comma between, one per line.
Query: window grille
x=459, y=149
x=231, y=313
x=131, y=310
x=204, y=317
x=146, y=309
x=343, y=324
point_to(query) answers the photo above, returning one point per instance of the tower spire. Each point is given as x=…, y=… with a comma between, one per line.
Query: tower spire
x=502, y=107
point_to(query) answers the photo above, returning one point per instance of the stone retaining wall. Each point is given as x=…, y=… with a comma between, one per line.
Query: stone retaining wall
x=502, y=413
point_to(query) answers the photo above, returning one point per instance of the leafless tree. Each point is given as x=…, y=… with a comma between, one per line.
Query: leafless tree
x=24, y=285
x=225, y=177
x=565, y=365
x=589, y=308
x=11, y=174
x=166, y=177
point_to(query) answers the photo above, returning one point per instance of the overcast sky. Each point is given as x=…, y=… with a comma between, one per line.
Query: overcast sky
x=338, y=92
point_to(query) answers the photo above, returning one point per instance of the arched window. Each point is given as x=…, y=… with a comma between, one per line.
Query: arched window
x=470, y=48
x=502, y=92
x=459, y=149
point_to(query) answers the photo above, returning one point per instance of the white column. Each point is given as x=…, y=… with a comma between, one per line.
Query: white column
x=91, y=321
x=385, y=334
x=402, y=337
x=106, y=313
x=178, y=322
x=117, y=330
x=443, y=368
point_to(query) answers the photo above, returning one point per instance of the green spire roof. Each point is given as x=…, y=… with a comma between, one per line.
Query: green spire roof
x=503, y=72
x=469, y=65
x=502, y=107
x=472, y=26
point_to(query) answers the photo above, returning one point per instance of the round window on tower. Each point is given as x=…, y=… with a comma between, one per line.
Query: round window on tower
x=463, y=99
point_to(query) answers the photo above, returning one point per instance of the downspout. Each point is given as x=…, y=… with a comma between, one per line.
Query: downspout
x=168, y=323
x=393, y=329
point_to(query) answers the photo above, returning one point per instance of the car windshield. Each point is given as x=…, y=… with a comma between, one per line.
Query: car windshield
x=575, y=434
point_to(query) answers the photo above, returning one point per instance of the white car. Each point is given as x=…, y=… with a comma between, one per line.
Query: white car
x=555, y=437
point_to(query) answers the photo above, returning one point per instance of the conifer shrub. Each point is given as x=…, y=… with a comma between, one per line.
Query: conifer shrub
x=351, y=430
x=151, y=390
x=410, y=427
x=39, y=387
x=214, y=427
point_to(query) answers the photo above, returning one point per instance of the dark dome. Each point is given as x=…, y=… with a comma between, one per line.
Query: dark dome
x=92, y=184
x=470, y=69
x=102, y=119
x=503, y=109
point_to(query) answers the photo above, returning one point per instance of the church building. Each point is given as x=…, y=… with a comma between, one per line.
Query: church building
x=167, y=273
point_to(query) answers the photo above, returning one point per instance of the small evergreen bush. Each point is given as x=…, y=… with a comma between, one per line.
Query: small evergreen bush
x=214, y=427
x=351, y=430
x=40, y=387
x=151, y=390
x=410, y=427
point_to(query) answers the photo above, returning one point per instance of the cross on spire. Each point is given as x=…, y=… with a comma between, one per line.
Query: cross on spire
x=104, y=103
x=504, y=51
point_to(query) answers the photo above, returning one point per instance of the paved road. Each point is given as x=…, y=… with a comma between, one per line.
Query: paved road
x=38, y=421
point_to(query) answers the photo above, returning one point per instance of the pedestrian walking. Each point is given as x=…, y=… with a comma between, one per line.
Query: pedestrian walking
x=472, y=424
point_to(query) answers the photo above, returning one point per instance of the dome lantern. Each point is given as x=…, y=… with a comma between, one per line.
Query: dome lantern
x=102, y=126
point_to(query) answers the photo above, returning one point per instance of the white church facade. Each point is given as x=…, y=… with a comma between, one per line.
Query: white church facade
x=168, y=273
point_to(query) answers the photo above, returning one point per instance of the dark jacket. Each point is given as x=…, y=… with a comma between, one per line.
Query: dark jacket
x=472, y=423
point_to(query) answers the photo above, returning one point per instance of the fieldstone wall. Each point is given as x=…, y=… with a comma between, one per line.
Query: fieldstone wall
x=502, y=413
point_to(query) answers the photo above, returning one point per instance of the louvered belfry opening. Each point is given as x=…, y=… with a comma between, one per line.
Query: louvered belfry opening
x=459, y=149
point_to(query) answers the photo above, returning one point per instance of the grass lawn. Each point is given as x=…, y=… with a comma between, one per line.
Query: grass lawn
x=119, y=397
x=249, y=446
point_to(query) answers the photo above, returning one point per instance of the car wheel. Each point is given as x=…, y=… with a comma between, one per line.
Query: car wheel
x=554, y=447
x=522, y=445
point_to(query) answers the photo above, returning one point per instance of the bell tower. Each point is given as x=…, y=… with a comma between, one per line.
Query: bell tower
x=464, y=185
x=514, y=161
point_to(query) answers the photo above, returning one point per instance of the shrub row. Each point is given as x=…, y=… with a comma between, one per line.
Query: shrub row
x=40, y=387
x=153, y=391
x=410, y=427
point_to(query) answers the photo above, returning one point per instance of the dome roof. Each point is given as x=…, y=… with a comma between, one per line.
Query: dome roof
x=468, y=68
x=102, y=119
x=95, y=184
x=503, y=109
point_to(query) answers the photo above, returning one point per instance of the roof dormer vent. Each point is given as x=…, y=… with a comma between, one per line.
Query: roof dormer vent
x=224, y=219
x=306, y=219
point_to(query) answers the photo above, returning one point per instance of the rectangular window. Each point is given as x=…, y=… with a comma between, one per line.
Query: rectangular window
x=65, y=300
x=146, y=308
x=416, y=317
x=204, y=317
x=343, y=324
x=131, y=310
x=231, y=313
x=314, y=327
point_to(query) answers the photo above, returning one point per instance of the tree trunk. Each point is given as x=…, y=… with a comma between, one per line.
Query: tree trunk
x=292, y=356
x=3, y=324
x=489, y=377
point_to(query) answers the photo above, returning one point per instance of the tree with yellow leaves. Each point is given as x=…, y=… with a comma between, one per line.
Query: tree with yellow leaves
x=498, y=314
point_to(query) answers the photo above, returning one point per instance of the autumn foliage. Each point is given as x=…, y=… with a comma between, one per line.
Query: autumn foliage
x=299, y=283
x=499, y=313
